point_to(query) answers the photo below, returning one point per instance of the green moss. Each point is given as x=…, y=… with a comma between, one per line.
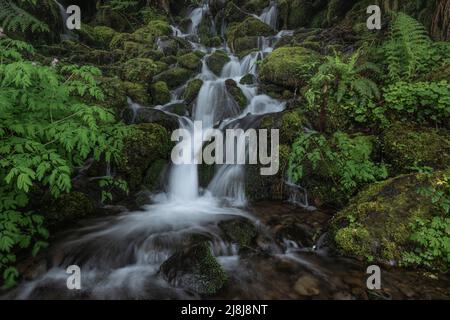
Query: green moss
x=152, y=176
x=248, y=79
x=139, y=70
x=406, y=146
x=289, y=66
x=195, y=268
x=217, y=61
x=192, y=89
x=251, y=26
x=292, y=125
x=190, y=61
x=236, y=93
x=148, y=143
x=175, y=77
x=160, y=93
x=70, y=207
x=377, y=224
x=295, y=13
x=240, y=231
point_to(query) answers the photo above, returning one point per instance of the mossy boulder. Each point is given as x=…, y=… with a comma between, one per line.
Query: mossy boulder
x=98, y=36
x=195, y=268
x=377, y=224
x=289, y=67
x=191, y=61
x=292, y=125
x=192, y=89
x=139, y=70
x=244, y=36
x=148, y=143
x=152, y=177
x=236, y=92
x=160, y=93
x=248, y=79
x=216, y=61
x=175, y=77
x=172, y=46
x=240, y=231
x=406, y=146
x=70, y=207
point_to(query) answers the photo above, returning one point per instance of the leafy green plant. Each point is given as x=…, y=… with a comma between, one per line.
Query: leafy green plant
x=341, y=91
x=431, y=237
x=344, y=159
x=109, y=183
x=14, y=17
x=409, y=51
x=419, y=101
x=46, y=130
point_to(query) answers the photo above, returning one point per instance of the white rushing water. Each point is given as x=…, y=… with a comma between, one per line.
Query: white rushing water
x=122, y=254
x=270, y=15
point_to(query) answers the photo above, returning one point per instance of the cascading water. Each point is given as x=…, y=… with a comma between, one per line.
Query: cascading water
x=67, y=34
x=270, y=15
x=121, y=255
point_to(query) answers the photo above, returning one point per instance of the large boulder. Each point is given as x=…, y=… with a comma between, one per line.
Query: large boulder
x=406, y=146
x=195, y=268
x=377, y=224
x=191, y=61
x=289, y=67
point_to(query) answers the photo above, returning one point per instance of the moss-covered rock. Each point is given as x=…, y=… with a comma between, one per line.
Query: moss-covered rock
x=292, y=125
x=377, y=224
x=406, y=146
x=251, y=26
x=172, y=46
x=217, y=61
x=196, y=269
x=240, y=230
x=148, y=143
x=139, y=70
x=192, y=89
x=289, y=66
x=236, y=92
x=191, y=61
x=175, y=77
x=152, y=178
x=160, y=93
x=69, y=207
x=248, y=79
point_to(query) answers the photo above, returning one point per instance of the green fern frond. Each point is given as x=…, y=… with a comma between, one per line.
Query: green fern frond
x=14, y=18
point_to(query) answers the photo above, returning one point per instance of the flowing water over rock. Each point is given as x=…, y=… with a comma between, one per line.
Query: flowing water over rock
x=263, y=252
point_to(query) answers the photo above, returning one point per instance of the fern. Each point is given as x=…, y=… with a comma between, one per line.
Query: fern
x=408, y=50
x=15, y=18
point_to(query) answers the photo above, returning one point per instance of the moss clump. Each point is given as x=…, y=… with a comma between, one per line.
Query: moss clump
x=377, y=224
x=175, y=77
x=236, y=93
x=148, y=143
x=217, y=61
x=160, y=93
x=241, y=231
x=289, y=66
x=248, y=79
x=196, y=269
x=251, y=26
x=190, y=61
x=292, y=125
x=406, y=146
x=116, y=92
x=192, y=89
x=70, y=207
x=139, y=70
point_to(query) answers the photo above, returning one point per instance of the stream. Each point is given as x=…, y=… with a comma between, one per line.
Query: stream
x=121, y=256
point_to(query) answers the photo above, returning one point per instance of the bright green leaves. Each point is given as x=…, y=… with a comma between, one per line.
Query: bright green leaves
x=345, y=160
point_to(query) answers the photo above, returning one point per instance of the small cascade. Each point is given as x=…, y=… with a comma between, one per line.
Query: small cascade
x=134, y=108
x=67, y=34
x=270, y=15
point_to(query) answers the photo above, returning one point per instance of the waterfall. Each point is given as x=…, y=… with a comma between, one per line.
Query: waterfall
x=270, y=15
x=67, y=34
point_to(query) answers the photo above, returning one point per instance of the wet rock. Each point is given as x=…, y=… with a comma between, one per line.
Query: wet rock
x=191, y=61
x=240, y=230
x=151, y=115
x=192, y=89
x=307, y=285
x=69, y=207
x=180, y=109
x=250, y=27
x=195, y=268
x=174, y=77
x=236, y=93
x=248, y=79
x=171, y=46
x=217, y=61
x=289, y=67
